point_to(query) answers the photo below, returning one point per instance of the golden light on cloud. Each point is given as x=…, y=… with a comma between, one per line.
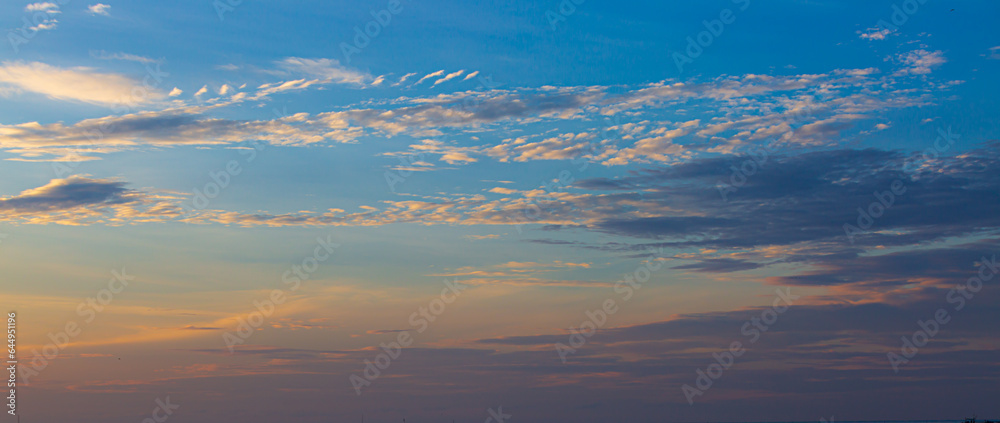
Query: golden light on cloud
x=81, y=84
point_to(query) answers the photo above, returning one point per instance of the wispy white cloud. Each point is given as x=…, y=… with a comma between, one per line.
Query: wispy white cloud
x=99, y=9
x=994, y=53
x=920, y=62
x=45, y=25
x=429, y=76
x=172, y=127
x=739, y=111
x=47, y=21
x=562, y=147
x=404, y=78
x=875, y=34
x=103, y=55
x=448, y=77
x=448, y=153
x=76, y=84
x=312, y=72
x=48, y=7
x=265, y=90
x=326, y=70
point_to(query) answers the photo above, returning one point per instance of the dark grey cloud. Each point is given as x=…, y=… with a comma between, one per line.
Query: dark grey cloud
x=720, y=265
x=808, y=198
x=945, y=265
x=69, y=193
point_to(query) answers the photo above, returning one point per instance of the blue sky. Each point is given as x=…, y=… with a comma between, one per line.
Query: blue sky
x=541, y=154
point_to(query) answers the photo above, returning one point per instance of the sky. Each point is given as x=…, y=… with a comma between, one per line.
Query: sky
x=549, y=211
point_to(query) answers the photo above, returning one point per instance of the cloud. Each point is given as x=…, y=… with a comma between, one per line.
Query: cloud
x=278, y=87
x=795, y=208
x=46, y=24
x=65, y=194
x=722, y=265
x=660, y=147
x=448, y=153
x=457, y=157
x=404, y=78
x=448, y=77
x=326, y=70
x=994, y=53
x=791, y=212
x=920, y=62
x=735, y=113
x=175, y=92
x=384, y=331
x=99, y=9
x=512, y=268
x=741, y=111
x=82, y=200
x=173, y=127
x=429, y=76
x=76, y=84
x=900, y=270
x=42, y=7
x=563, y=147
x=314, y=72
x=103, y=55
x=678, y=206
x=821, y=183
x=46, y=21
x=875, y=34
